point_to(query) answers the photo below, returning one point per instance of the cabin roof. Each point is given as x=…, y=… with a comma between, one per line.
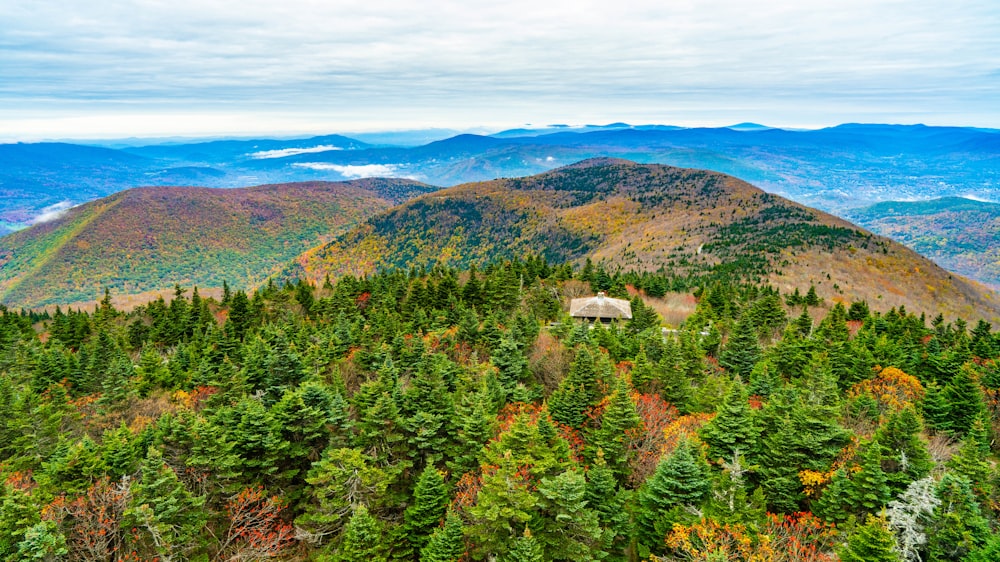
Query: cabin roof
x=600, y=306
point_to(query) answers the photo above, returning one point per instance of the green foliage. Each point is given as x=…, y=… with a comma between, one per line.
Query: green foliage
x=430, y=501
x=364, y=539
x=871, y=542
x=387, y=379
x=446, y=543
x=680, y=480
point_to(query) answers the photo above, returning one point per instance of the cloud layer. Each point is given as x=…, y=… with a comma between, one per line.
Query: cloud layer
x=447, y=62
x=354, y=172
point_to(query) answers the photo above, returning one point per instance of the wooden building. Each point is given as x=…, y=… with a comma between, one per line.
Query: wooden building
x=601, y=308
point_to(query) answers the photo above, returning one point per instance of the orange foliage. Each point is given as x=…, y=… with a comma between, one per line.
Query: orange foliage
x=799, y=537
x=92, y=522
x=23, y=481
x=891, y=388
x=648, y=439
x=256, y=530
x=684, y=427
x=467, y=489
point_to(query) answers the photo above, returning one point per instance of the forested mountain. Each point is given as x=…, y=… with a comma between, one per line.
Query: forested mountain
x=963, y=235
x=442, y=414
x=835, y=169
x=152, y=238
x=693, y=223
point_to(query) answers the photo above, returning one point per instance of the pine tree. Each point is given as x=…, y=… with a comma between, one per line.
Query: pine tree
x=170, y=517
x=733, y=429
x=446, y=543
x=871, y=542
x=430, y=501
x=742, y=351
x=680, y=480
x=620, y=417
x=363, y=540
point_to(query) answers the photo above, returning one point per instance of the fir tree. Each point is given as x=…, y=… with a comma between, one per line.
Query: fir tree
x=524, y=549
x=620, y=418
x=957, y=526
x=869, y=490
x=446, y=543
x=169, y=516
x=871, y=542
x=364, y=539
x=733, y=429
x=742, y=351
x=608, y=501
x=965, y=401
x=430, y=501
x=680, y=480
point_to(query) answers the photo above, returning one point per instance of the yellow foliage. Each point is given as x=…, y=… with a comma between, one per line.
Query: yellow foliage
x=891, y=388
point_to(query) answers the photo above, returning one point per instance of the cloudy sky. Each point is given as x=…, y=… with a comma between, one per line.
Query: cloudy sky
x=101, y=68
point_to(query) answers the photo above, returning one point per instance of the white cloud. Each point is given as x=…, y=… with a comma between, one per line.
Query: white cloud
x=282, y=152
x=354, y=172
x=451, y=63
x=52, y=212
x=977, y=198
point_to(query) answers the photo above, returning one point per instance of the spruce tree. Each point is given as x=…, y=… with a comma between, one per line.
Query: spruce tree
x=742, y=351
x=733, y=429
x=871, y=542
x=364, y=539
x=680, y=480
x=430, y=501
x=870, y=491
x=446, y=543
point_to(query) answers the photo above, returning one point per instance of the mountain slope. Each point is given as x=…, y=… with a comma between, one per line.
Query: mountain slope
x=693, y=222
x=151, y=238
x=961, y=234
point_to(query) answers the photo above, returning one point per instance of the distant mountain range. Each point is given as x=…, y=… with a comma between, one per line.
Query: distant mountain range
x=640, y=216
x=694, y=223
x=149, y=239
x=836, y=169
x=961, y=234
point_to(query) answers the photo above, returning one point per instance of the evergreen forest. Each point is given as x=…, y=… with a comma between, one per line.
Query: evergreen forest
x=440, y=415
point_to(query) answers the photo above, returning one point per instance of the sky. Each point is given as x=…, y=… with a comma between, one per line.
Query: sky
x=112, y=69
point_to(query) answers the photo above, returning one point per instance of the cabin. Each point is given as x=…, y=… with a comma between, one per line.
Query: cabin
x=601, y=307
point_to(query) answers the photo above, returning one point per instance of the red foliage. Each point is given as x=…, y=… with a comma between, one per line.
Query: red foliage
x=92, y=522
x=800, y=537
x=256, y=530
x=467, y=489
x=648, y=439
